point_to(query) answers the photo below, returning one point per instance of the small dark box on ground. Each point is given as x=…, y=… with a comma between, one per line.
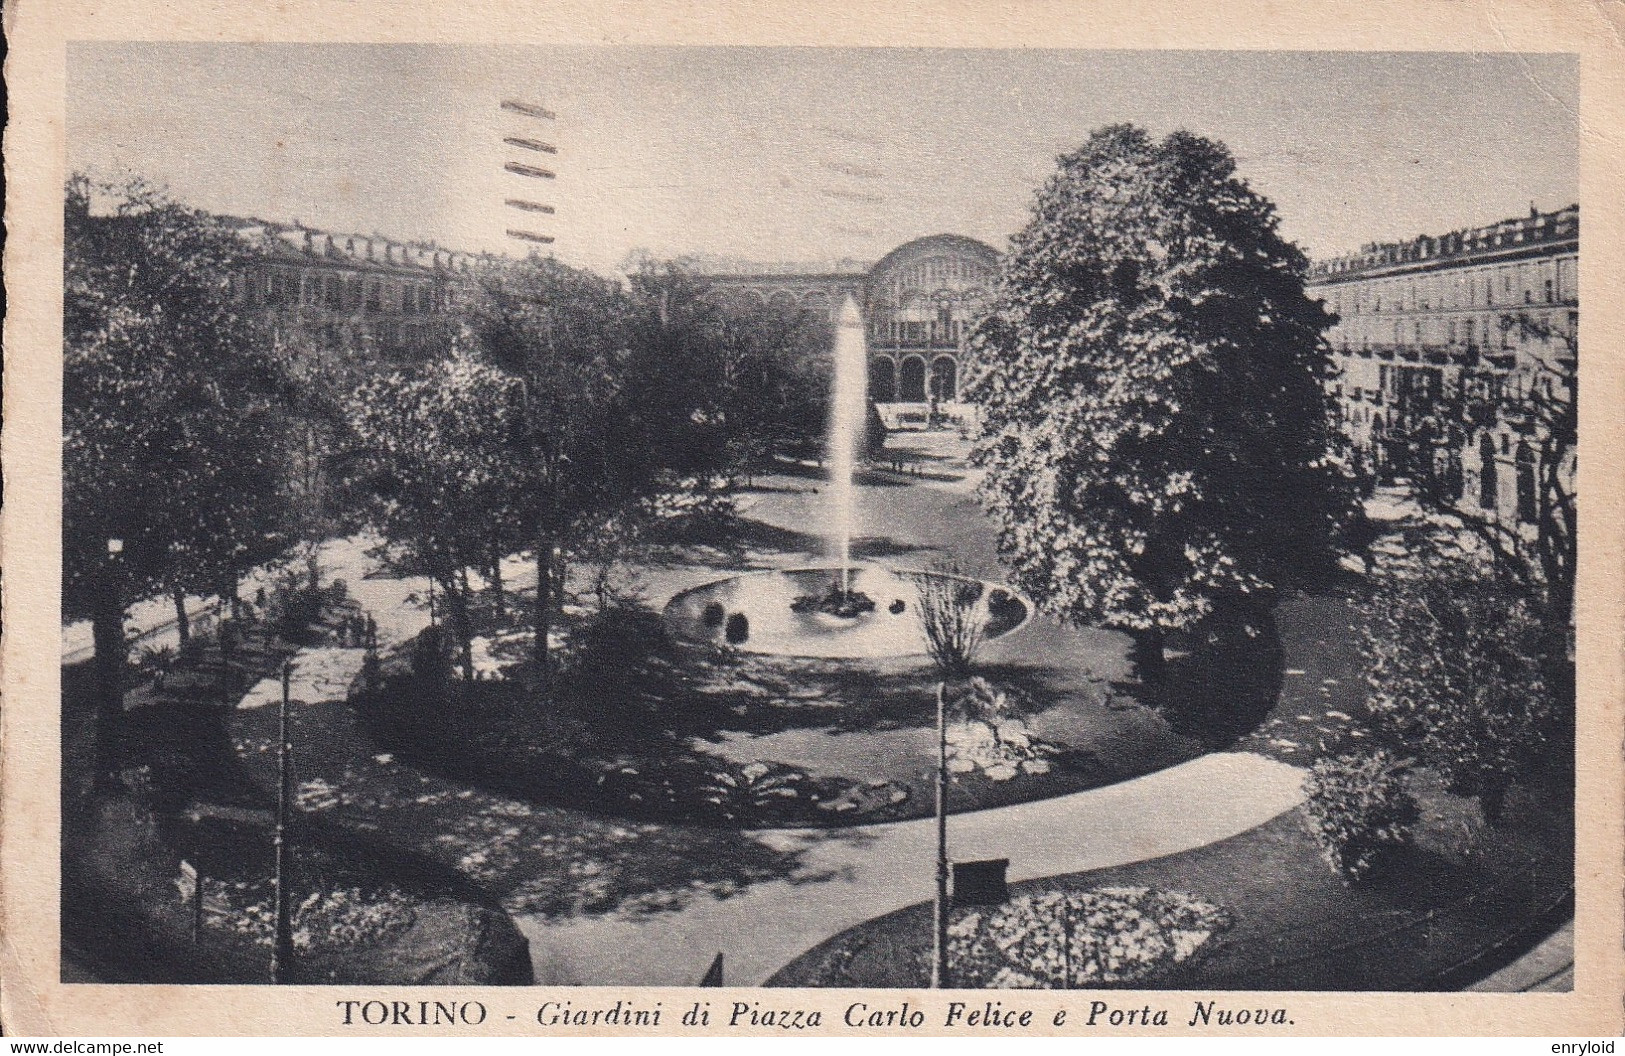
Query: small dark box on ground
x=981, y=883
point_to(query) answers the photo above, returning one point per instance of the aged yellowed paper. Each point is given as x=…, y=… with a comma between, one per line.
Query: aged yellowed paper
x=753, y=520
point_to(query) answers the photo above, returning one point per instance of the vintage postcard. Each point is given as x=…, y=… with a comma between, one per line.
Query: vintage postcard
x=748, y=519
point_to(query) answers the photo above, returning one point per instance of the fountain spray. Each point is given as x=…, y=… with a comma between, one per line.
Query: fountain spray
x=848, y=414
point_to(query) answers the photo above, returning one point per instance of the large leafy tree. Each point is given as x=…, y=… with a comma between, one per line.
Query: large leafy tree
x=320, y=498
x=751, y=379
x=778, y=372
x=440, y=460
x=1155, y=422
x=170, y=414
x=590, y=433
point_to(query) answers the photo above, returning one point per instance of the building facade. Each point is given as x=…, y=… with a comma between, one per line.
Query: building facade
x=1451, y=354
x=919, y=303
x=346, y=294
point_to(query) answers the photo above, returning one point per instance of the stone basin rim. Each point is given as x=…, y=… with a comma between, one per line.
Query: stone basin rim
x=1029, y=609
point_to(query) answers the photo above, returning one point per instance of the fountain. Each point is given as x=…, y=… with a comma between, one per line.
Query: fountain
x=848, y=410
x=848, y=610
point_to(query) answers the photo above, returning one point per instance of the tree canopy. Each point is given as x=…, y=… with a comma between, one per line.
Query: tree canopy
x=172, y=420
x=442, y=468
x=172, y=406
x=754, y=378
x=1155, y=422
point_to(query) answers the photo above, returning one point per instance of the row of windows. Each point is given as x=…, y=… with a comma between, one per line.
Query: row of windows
x=942, y=269
x=380, y=335
x=1530, y=282
x=278, y=287
x=1482, y=331
x=1548, y=228
x=942, y=331
x=1427, y=384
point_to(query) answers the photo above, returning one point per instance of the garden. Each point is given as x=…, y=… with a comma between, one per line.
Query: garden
x=540, y=700
x=168, y=871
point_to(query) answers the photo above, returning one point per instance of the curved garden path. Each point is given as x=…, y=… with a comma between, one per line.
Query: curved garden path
x=847, y=876
x=843, y=876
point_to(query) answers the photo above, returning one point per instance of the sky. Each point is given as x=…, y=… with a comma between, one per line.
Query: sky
x=805, y=154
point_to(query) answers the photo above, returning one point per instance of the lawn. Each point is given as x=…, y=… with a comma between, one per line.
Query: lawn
x=1465, y=900
x=648, y=729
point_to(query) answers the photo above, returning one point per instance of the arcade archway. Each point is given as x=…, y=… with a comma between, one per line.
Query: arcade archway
x=911, y=381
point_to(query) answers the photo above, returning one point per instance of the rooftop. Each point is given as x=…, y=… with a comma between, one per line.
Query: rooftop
x=1562, y=225
x=295, y=242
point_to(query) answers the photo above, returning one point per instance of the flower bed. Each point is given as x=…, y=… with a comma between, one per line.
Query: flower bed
x=999, y=749
x=1104, y=936
x=337, y=919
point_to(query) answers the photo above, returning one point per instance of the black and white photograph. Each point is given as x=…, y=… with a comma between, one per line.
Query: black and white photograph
x=890, y=519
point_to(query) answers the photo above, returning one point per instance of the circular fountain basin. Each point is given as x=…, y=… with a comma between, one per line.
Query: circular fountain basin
x=758, y=612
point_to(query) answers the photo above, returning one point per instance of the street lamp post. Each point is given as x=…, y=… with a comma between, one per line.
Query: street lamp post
x=282, y=927
x=107, y=630
x=939, y=920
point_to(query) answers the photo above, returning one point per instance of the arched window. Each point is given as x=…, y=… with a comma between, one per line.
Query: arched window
x=1489, y=490
x=912, y=380
x=882, y=379
x=1524, y=462
x=944, y=379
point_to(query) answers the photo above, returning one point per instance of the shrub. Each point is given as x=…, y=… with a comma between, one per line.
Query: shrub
x=431, y=657
x=949, y=617
x=616, y=658
x=293, y=609
x=1453, y=659
x=1359, y=812
x=155, y=662
x=874, y=433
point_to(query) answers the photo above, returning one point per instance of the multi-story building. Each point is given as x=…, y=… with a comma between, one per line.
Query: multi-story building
x=347, y=293
x=1449, y=348
x=919, y=303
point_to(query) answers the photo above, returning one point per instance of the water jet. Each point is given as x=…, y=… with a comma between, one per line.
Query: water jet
x=845, y=610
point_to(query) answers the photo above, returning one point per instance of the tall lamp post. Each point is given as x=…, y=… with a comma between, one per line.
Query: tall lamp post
x=939, y=920
x=111, y=650
x=282, y=926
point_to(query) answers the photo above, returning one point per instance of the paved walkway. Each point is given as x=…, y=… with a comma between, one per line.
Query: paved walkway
x=847, y=876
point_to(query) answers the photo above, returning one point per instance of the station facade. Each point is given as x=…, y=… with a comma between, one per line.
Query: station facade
x=919, y=303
